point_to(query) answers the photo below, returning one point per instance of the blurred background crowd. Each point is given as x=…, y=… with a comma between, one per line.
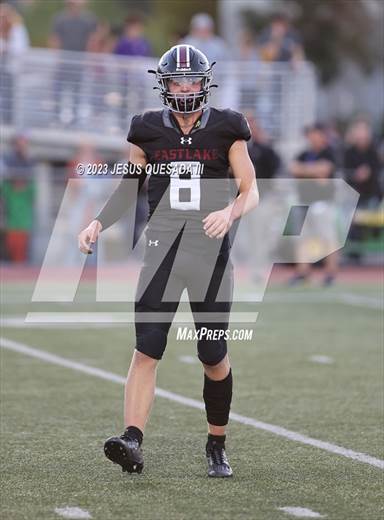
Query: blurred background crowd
x=74, y=72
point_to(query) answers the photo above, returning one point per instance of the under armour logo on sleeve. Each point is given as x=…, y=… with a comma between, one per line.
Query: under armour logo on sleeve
x=153, y=243
x=186, y=140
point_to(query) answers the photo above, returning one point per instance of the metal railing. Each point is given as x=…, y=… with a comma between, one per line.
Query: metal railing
x=98, y=93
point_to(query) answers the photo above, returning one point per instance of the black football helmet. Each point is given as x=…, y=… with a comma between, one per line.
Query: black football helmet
x=190, y=65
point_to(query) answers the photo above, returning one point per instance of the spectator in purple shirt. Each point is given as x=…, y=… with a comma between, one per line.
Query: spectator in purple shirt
x=132, y=42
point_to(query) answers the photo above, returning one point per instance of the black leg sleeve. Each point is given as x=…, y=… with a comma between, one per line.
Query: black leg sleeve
x=217, y=397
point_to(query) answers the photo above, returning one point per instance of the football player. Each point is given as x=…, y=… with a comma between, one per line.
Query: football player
x=187, y=243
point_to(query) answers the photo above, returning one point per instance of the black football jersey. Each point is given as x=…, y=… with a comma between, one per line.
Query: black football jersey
x=189, y=173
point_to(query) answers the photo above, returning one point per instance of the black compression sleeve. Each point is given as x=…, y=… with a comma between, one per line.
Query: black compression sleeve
x=121, y=199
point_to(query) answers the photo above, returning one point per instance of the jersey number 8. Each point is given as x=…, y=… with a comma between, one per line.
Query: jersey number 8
x=185, y=193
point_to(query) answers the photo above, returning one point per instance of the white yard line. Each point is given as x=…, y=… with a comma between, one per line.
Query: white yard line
x=323, y=360
x=301, y=512
x=72, y=512
x=190, y=360
x=361, y=301
x=193, y=403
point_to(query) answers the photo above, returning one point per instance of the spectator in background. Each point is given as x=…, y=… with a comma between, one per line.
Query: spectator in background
x=14, y=38
x=279, y=42
x=317, y=162
x=362, y=172
x=362, y=165
x=264, y=158
x=133, y=42
x=336, y=142
x=267, y=164
x=18, y=195
x=14, y=41
x=73, y=27
x=72, y=30
x=17, y=162
x=202, y=36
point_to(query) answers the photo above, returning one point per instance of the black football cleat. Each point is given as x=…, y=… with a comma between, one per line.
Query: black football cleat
x=218, y=465
x=126, y=452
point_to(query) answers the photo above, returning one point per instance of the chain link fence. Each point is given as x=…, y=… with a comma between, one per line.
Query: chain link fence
x=62, y=92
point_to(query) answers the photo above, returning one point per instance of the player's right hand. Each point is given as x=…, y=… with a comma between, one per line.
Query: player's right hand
x=88, y=236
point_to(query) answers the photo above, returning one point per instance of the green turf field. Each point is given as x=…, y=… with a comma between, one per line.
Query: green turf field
x=54, y=419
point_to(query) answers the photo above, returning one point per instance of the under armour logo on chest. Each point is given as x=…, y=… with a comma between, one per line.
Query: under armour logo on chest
x=153, y=243
x=186, y=140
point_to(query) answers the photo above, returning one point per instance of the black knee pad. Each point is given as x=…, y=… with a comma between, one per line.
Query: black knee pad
x=217, y=398
x=211, y=352
x=151, y=341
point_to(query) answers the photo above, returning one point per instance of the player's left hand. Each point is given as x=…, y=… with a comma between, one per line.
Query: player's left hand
x=218, y=223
